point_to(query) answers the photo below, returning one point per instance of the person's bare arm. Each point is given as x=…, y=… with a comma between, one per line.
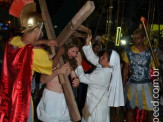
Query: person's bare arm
x=125, y=73
x=45, y=42
x=88, y=39
x=65, y=69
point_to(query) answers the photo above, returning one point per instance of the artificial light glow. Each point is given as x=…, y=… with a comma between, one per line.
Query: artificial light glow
x=30, y=22
x=118, y=36
x=9, y=22
x=123, y=42
x=55, y=26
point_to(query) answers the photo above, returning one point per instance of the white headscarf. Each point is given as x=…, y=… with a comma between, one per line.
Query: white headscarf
x=115, y=92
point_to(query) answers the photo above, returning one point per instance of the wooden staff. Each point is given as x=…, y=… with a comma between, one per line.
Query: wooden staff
x=152, y=52
x=150, y=46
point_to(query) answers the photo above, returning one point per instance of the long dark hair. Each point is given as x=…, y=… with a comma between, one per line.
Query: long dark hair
x=71, y=42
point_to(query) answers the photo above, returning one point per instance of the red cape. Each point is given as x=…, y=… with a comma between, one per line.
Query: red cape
x=15, y=83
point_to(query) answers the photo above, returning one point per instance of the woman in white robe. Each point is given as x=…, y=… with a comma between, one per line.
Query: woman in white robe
x=104, y=82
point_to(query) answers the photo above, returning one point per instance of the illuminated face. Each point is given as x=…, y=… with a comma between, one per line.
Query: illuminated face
x=104, y=60
x=72, y=52
x=138, y=39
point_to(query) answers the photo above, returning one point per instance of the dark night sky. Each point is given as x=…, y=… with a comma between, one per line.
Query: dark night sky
x=63, y=10
x=68, y=9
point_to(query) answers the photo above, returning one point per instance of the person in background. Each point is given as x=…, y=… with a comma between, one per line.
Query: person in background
x=96, y=46
x=138, y=86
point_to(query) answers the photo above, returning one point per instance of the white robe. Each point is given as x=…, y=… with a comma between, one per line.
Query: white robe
x=98, y=81
x=53, y=108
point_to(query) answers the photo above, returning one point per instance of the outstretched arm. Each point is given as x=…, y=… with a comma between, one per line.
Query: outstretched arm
x=92, y=78
x=65, y=69
x=87, y=49
x=45, y=42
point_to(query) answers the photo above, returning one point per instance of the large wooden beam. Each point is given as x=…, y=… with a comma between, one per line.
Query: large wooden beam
x=83, y=13
x=76, y=21
x=47, y=22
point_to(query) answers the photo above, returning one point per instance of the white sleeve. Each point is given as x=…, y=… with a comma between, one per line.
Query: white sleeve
x=93, y=78
x=91, y=57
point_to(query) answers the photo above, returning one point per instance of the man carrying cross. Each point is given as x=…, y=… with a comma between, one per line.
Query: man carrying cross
x=52, y=106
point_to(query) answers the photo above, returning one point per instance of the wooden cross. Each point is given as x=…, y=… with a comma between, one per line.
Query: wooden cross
x=74, y=23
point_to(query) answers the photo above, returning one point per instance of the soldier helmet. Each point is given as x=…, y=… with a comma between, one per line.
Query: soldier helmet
x=29, y=18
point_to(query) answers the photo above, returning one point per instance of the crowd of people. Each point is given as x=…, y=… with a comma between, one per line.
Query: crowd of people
x=102, y=76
